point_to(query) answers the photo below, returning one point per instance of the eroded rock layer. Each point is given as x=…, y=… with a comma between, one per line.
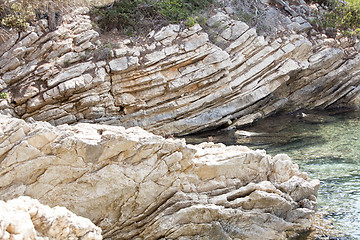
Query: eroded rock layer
x=136, y=185
x=177, y=81
x=27, y=219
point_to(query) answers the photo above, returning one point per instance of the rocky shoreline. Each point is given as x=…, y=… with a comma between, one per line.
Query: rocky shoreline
x=176, y=81
x=71, y=136
x=134, y=184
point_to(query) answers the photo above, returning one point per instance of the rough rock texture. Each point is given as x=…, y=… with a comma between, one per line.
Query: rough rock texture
x=27, y=219
x=136, y=185
x=177, y=81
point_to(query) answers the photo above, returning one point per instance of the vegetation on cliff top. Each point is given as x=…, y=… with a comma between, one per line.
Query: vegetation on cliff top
x=340, y=15
x=139, y=16
x=20, y=14
x=17, y=14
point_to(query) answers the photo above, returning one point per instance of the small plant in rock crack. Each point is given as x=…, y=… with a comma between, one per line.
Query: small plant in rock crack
x=191, y=21
x=4, y=95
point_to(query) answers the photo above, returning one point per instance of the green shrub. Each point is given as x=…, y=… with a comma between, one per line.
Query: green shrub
x=191, y=21
x=344, y=16
x=18, y=14
x=4, y=95
x=172, y=10
x=139, y=16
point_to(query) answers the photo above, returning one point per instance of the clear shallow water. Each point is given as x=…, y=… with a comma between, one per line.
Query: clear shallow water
x=325, y=145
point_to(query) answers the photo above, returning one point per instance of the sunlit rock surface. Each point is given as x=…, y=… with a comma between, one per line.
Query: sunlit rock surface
x=178, y=81
x=136, y=185
x=175, y=81
x=27, y=219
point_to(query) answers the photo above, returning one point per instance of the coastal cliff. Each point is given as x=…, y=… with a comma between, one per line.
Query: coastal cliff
x=81, y=110
x=176, y=81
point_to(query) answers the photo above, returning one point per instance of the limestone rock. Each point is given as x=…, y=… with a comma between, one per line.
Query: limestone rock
x=123, y=63
x=136, y=185
x=178, y=81
x=26, y=218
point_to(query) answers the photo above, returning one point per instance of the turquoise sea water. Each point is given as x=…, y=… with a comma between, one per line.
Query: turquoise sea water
x=325, y=145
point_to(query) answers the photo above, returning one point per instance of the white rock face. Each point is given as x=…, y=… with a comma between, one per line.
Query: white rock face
x=24, y=218
x=136, y=185
x=177, y=81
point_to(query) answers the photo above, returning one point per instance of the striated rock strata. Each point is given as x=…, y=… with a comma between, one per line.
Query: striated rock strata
x=176, y=81
x=27, y=219
x=136, y=185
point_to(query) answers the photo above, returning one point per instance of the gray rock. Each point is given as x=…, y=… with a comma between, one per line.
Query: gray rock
x=124, y=63
x=299, y=20
x=298, y=188
x=299, y=213
x=294, y=26
x=167, y=32
x=229, y=10
x=10, y=65
x=216, y=19
x=85, y=36
x=4, y=47
x=26, y=93
x=195, y=42
x=65, y=120
x=71, y=72
x=305, y=27
x=357, y=46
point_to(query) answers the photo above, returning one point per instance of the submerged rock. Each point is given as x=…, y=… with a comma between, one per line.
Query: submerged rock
x=136, y=185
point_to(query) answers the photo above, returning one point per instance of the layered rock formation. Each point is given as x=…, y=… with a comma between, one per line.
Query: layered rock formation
x=177, y=81
x=27, y=219
x=136, y=185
